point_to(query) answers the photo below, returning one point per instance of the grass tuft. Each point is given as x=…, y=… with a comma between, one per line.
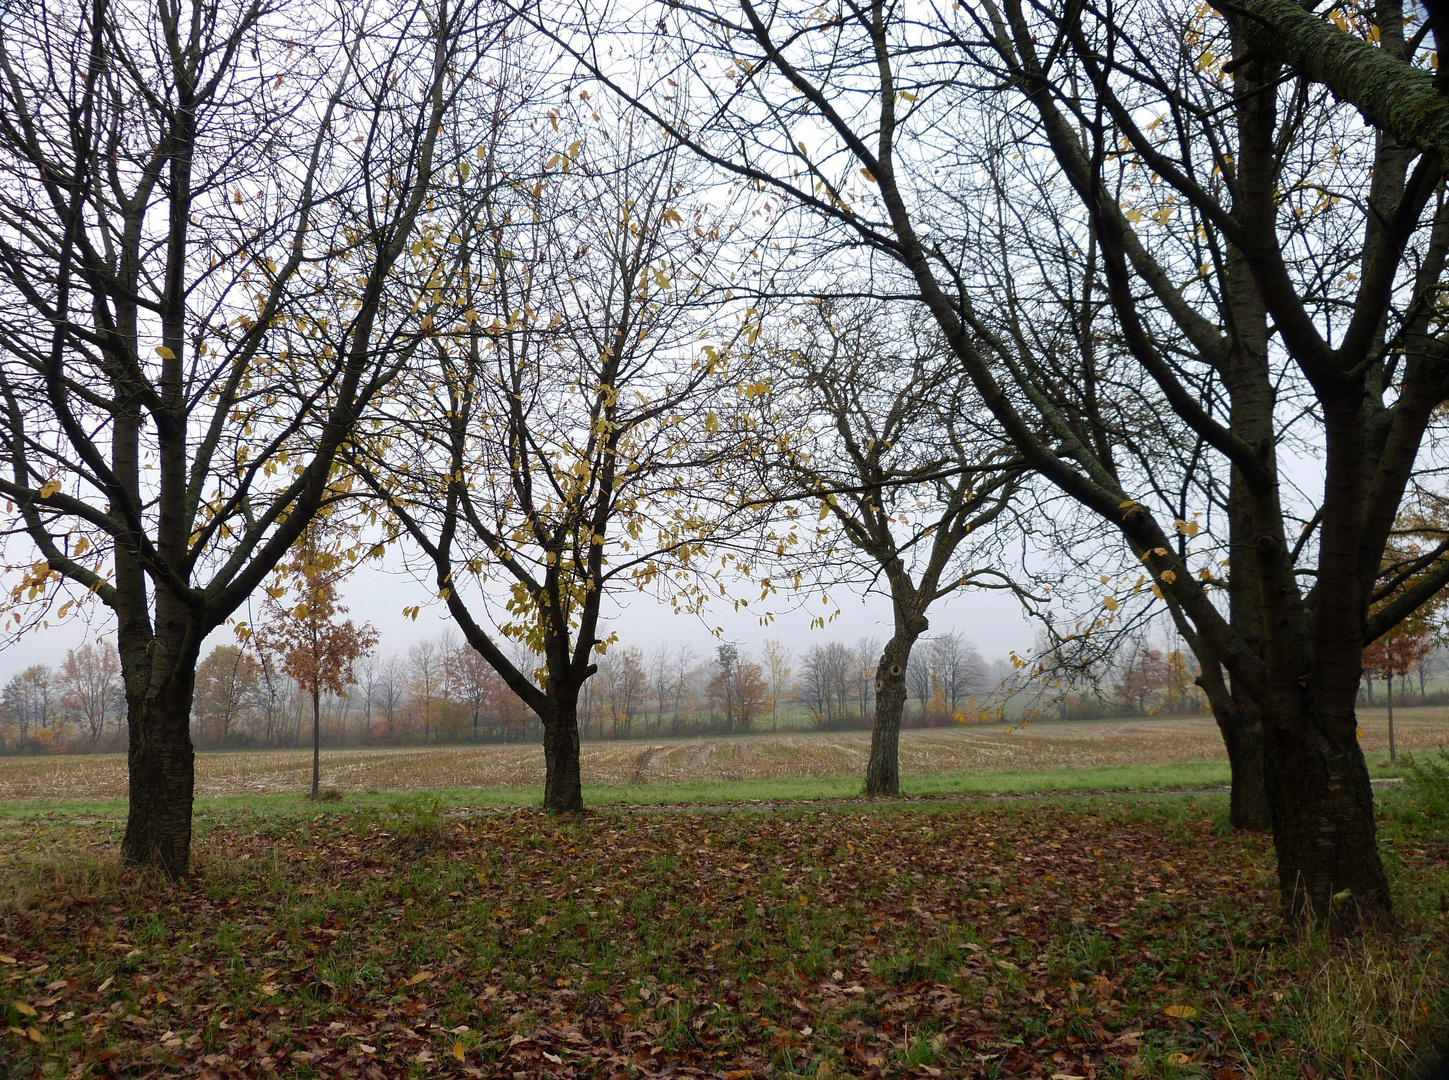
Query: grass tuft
x=1427, y=780
x=1365, y=1002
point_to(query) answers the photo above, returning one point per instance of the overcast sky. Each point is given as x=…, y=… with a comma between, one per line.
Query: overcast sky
x=991, y=620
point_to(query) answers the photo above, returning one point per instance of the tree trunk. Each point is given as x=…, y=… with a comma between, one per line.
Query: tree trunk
x=1248, y=806
x=1241, y=726
x=1393, y=755
x=316, y=739
x=1323, y=826
x=882, y=773
x=160, y=764
x=562, y=788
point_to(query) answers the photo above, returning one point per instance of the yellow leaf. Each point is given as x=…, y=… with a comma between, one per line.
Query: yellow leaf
x=551, y=162
x=1109, y=603
x=1168, y=576
x=1134, y=216
x=463, y=170
x=422, y=976
x=870, y=176
x=24, y=1009
x=711, y=421
x=1358, y=732
x=1178, y=1058
x=164, y=353
x=1157, y=591
x=49, y=488
x=908, y=95
x=1180, y=1012
x=459, y=1052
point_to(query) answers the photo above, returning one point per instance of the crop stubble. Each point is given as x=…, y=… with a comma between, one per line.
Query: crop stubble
x=786, y=755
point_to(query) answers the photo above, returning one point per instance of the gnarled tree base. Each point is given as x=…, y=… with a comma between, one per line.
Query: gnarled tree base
x=1329, y=870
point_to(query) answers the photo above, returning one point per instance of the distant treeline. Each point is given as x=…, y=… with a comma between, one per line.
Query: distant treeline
x=441, y=691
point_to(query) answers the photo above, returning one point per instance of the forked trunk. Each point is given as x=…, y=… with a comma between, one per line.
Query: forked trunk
x=1323, y=826
x=562, y=786
x=160, y=764
x=883, y=773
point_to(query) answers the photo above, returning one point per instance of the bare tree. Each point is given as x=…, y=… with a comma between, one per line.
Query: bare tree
x=1267, y=283
x=959, y=669
x=368, y=674
x=908, y=466
x=661, y=674
x=392, y=692
x=865, y=661
x=777, y=664
x=682, y=687
x=546, y=443
x=919, y=674
x=25, y=703
x=90, y=685
x=207, y=274
x=426, y=673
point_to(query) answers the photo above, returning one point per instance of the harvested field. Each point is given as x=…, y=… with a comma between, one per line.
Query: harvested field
x=787, y=755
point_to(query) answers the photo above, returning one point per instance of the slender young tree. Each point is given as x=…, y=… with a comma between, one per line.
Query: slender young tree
x=303, y=628
x=777, y=659
x=208, y=272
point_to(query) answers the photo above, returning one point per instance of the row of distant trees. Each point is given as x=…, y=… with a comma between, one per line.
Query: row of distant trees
x=442, y=691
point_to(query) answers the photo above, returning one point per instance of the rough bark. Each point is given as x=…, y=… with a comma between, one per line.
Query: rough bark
x=1329, y=869
x=160, y=757
x=1242, y=730
x=883, y=773
x=562, y=786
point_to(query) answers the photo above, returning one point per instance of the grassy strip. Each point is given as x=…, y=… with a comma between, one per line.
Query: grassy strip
x=1110, y=778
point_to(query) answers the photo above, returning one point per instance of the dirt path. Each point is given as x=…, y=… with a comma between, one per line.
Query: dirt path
x=785, y=755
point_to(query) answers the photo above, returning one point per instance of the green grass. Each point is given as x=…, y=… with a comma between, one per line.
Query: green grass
x=981, y=940
x=1113, y=778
